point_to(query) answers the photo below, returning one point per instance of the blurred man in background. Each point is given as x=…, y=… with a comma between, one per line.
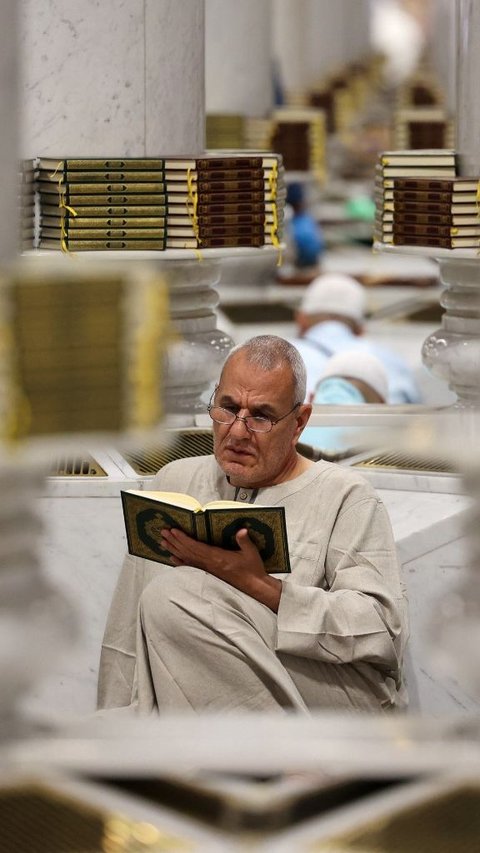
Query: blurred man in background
x=330, y=319
x=350, y=378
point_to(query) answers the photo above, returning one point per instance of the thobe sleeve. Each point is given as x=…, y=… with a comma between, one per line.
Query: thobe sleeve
x=118, y=654
x=360, y=615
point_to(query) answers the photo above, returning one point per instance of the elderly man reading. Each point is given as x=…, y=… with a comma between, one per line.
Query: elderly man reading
x=216, y=632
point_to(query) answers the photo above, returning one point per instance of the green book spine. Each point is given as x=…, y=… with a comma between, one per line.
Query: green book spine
x=74, y=223
x=88, y=163
x=103, y=189
x=99, y=202
x=72, y=245
x=104, y=234
x=93, y=176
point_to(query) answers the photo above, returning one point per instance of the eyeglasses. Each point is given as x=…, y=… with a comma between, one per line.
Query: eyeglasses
x=254, y=423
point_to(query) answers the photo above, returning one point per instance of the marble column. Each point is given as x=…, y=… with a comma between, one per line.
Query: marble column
x=357, y=29
x=443, y=49
x=9, y=121
x=468, y=74
x=290, y=43
x=238, y=57
x=123, y=78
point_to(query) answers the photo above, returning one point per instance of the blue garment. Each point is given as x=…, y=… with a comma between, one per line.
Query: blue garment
x=325, y=339
x=333, y=391
x=307, y=239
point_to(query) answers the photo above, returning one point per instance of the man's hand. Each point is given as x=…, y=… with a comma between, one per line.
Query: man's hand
x=242, y=569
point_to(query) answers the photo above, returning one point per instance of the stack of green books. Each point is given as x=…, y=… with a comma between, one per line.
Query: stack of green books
x=88, y=204
x=225, y=130
x=84, y=348
x=224, y=199
x=26, y=197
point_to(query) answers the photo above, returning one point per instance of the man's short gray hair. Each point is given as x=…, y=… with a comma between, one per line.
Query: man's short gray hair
x=269, y=351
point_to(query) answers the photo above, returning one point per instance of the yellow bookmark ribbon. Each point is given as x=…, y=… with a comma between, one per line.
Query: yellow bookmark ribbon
x=192, y=205
x=273, y=227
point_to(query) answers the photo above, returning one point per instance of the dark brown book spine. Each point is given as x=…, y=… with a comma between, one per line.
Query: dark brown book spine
x=423, y=207
x=215, y=175
x=220, y=242
x=429, y=184
x=420, y=195
x=423, y=218
x=421, y=230
x=207, y=185
x=246, y=203
x=233, y=219
x=411, y=240
x=250, y=230
x=212, y=164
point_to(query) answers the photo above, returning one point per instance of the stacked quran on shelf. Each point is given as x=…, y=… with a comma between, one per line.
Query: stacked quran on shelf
x=83, y=348
x=26, y=197
x=421, y=89
x=225, y=130
x=425, y=203
x=220, y=200
x=300, y=137
x=258, y=133
x=423, y=127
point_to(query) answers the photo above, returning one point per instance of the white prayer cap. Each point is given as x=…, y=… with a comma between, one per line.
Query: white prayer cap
x=335, y=293
x=358, y=364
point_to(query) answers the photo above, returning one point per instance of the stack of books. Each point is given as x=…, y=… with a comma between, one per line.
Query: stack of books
x=88, y=204
x=84, y=350
x=423, y=127
x=415, y=209
x=214, y=201
x=225, y=130
x=300, y=137
x=259, y=133
x=225, y=201
x=26, y=198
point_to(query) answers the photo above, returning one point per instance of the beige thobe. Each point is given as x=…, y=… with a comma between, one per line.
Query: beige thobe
x=179, y=638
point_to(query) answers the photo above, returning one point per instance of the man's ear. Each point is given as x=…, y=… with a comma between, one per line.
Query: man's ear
x=303, y=413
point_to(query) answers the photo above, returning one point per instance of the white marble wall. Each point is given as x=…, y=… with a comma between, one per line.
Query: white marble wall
x=122, y=78
x=315, y=37
x=9, y=101
x=238, y=57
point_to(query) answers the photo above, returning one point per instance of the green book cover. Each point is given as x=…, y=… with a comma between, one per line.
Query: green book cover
x=146, y=514
x=95, y=176
x=79, y=201
x=74, y=223
x=89, y=163
x=103, y=212
x=102, y=233
x=72, y=245
x=100, y=189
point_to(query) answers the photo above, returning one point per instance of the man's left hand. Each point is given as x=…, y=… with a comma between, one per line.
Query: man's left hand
x=242, y=569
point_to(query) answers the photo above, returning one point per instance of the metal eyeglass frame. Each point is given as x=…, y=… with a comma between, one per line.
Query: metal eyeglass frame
x=236, y=417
